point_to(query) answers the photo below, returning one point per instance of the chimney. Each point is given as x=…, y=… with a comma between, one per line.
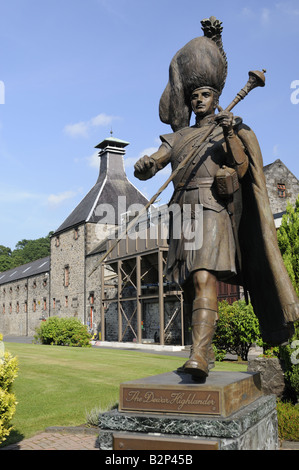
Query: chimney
x=111, y=153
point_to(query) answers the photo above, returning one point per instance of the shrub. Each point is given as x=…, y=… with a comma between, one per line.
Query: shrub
x=290, y=355
x=63, y=332
x=237, y=329
x=219, y=353
x=288, y=421
x=8, y=372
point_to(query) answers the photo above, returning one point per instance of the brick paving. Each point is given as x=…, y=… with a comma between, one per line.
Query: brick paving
x=80, y=439
x=59, y=439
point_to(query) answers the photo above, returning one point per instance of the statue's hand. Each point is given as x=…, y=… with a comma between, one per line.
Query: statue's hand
x=225, y=120
x=143, y=168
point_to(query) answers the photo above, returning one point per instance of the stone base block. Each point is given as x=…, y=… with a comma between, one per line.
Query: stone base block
x=172, y=412
x=253, y=427
x=222, y=393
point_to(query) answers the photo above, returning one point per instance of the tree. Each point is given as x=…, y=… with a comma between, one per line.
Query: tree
x=25, y=251
x=288, y=242
x=31, y=250
x=5, y=258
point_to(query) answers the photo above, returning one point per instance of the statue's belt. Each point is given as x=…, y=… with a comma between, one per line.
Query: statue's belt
x=195, y=183
x=226, y=180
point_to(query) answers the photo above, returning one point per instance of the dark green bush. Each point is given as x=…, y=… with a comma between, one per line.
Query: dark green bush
x=290, y=355
x=63, y=332
x=288, y=421
x=237, y=329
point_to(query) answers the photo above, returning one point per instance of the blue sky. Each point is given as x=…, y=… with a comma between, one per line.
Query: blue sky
x=74, y=69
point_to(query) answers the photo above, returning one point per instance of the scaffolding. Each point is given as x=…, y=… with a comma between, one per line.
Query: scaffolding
x=138, y=261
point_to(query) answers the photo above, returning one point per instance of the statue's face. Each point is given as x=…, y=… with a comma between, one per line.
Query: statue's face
x=203, y=102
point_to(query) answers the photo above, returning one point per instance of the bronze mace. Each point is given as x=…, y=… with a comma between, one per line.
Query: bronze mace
x=256, y=79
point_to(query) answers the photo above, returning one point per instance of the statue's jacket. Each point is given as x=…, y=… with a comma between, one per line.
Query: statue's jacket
x=261, y=269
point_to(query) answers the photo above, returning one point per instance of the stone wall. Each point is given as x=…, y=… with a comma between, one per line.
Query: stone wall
x=278, y=174
x=93, y=293
x=23, y=305
x=68, y=274
x=95, y=234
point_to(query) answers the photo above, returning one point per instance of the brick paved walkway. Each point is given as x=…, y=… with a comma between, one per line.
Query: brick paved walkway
x=79, y=439
x=59, y=439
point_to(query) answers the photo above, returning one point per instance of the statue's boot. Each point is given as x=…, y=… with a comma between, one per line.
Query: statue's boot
x=204, y=318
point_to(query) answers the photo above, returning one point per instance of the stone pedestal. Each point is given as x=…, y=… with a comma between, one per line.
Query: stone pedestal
x=172, y=412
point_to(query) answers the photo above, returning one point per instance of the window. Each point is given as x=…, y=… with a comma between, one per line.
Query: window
x=57, y=241
x=18, y=307
x=281, y=190
x=3, y=308
x=66, y=301
x=66, y=276
x=54, y=302
x=34, y=305
x=90, y=320
x=10, y=307
x=76, y=234
x=91, y=298
x=45, y=304
x=25, y=306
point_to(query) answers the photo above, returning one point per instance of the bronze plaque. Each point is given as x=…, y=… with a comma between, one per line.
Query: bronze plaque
x=135, y=441
x=222, y=394
x=170, y=400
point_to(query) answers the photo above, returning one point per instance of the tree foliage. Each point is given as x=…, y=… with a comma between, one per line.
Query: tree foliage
x=237, y=329
x=25, y=251
x=288, y=242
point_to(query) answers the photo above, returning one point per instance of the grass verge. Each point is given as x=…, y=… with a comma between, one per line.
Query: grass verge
x=59, y=385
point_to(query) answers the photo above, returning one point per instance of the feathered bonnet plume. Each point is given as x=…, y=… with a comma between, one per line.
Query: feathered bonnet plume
x=200, y=63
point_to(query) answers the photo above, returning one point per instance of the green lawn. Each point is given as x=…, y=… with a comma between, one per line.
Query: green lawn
x=57, y=385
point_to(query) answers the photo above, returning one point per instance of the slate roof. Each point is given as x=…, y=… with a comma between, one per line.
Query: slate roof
x=34, y=268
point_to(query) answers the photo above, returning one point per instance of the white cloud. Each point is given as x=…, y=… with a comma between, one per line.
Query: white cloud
x=17, y=196
x=275, y=151
x=82, y=128
x=130, y=162
x=262, y=15
x=288, y=8
x=246, y=12
x=265, y=16
x=57, y=199
x=93, y=160
x=77, y=130
x=148, y=151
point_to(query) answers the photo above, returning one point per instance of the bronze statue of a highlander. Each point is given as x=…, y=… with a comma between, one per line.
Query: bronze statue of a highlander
x=239, y=237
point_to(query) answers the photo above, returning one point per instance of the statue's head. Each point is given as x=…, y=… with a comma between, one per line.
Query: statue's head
x=200, y=63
